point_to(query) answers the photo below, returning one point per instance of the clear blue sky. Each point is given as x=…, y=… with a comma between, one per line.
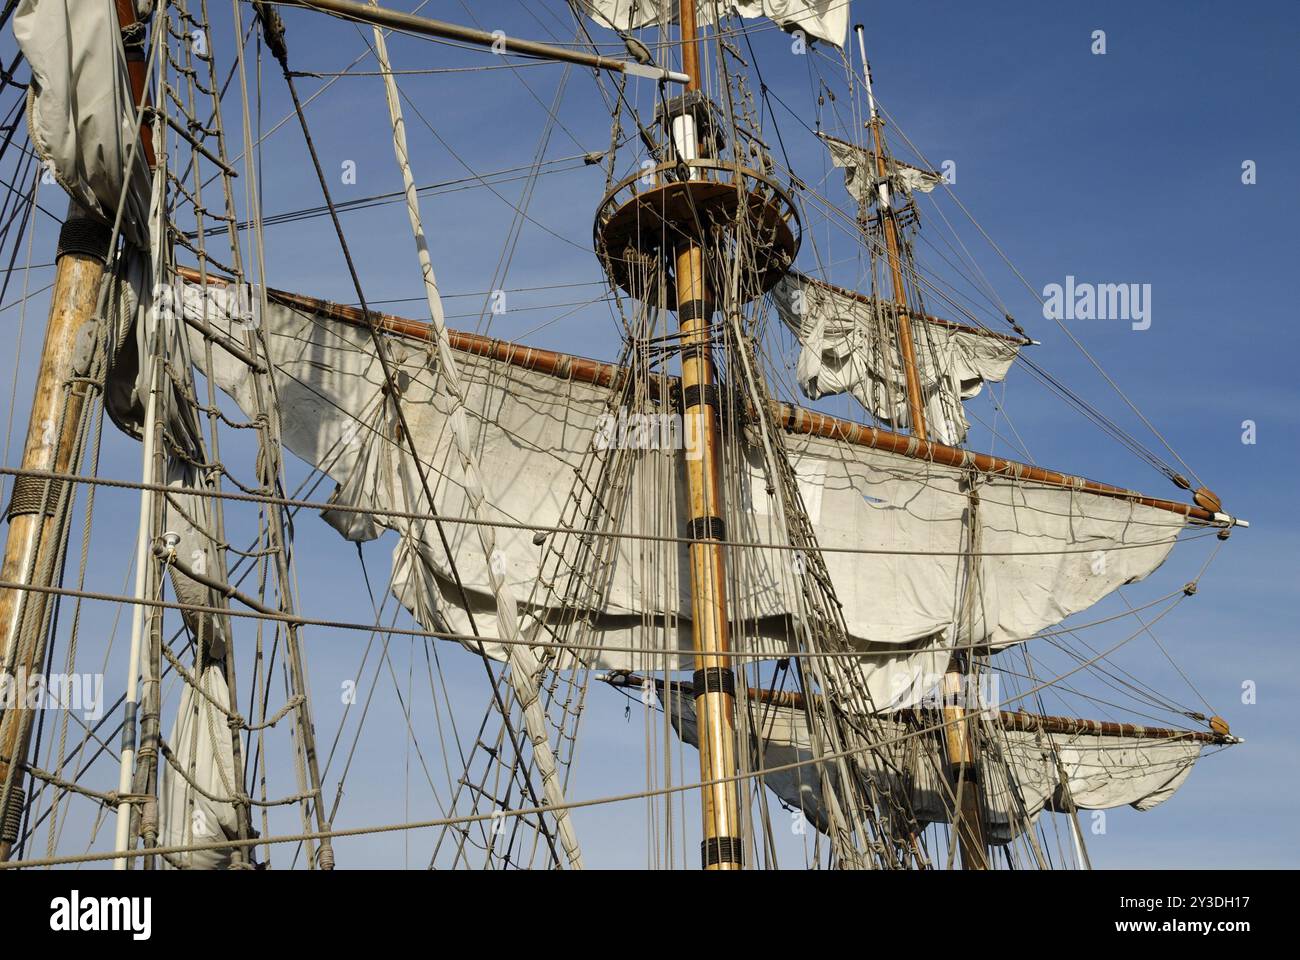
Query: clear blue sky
x=1117, y=168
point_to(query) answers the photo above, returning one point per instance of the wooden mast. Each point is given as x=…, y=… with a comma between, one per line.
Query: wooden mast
x=715, y=686
x=906, y=346
x=968, y=820
x=38, y=508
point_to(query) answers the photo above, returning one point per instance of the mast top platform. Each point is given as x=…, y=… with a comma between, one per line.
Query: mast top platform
x=646, y=217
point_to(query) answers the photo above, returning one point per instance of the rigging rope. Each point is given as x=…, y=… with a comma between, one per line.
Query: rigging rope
x=523, y=662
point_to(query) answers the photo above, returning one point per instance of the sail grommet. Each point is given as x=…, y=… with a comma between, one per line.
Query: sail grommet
x=706, y=528
x=714, y=680
x=716, y=850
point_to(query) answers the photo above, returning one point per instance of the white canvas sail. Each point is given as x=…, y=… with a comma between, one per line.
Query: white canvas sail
x=821, y=19
x=848, y=345
x=862, y=172
x=202, y=752
x=80, y=116
x=927, y=548
x=1023, y=777
x=904, y=522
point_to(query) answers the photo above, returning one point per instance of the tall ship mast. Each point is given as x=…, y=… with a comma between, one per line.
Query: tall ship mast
x=762, y=527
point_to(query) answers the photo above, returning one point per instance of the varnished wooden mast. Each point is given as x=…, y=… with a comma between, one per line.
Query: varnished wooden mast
x=906, y=346
x=715, y=703
x=968, y=819
x=37, y=525
x=35, y=533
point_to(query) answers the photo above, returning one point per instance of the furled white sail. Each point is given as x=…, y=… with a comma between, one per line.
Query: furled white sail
x=1100, y=772
x=904, y=522
x=79, y=110
x=822, y=19
x=1022, y=774
x=862, y=173
x=849, y=345
x=202, y=752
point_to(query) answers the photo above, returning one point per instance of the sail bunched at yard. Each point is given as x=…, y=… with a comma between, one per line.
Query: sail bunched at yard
x=897, y=531
x=862, y=177
x=848, y=345
x=820, y=19
x=1038, y=771
x=80, y=116
x=925, y=556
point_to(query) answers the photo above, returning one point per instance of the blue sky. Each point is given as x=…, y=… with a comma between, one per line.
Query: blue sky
x=1120, y=168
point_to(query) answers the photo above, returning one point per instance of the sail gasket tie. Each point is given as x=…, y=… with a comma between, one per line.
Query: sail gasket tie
x=717, y=850
x=714, y=680
x=706, y=528
x=133, y=40
x=700, y=394
x=694, y=310
x=84, y=235
x=29, y=497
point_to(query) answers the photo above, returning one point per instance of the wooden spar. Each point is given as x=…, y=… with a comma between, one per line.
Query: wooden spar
x=38, y=509
x=497, y=42
x=933, y=321
x=715, y=701
x=793, y=418
x=802, y=420
x=1070, y=726
x=964, y=769
x=915, y=404
x=690, y=44
x=959, y=744
x=35, y=531
x=136, y=69
x=1007, y=719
